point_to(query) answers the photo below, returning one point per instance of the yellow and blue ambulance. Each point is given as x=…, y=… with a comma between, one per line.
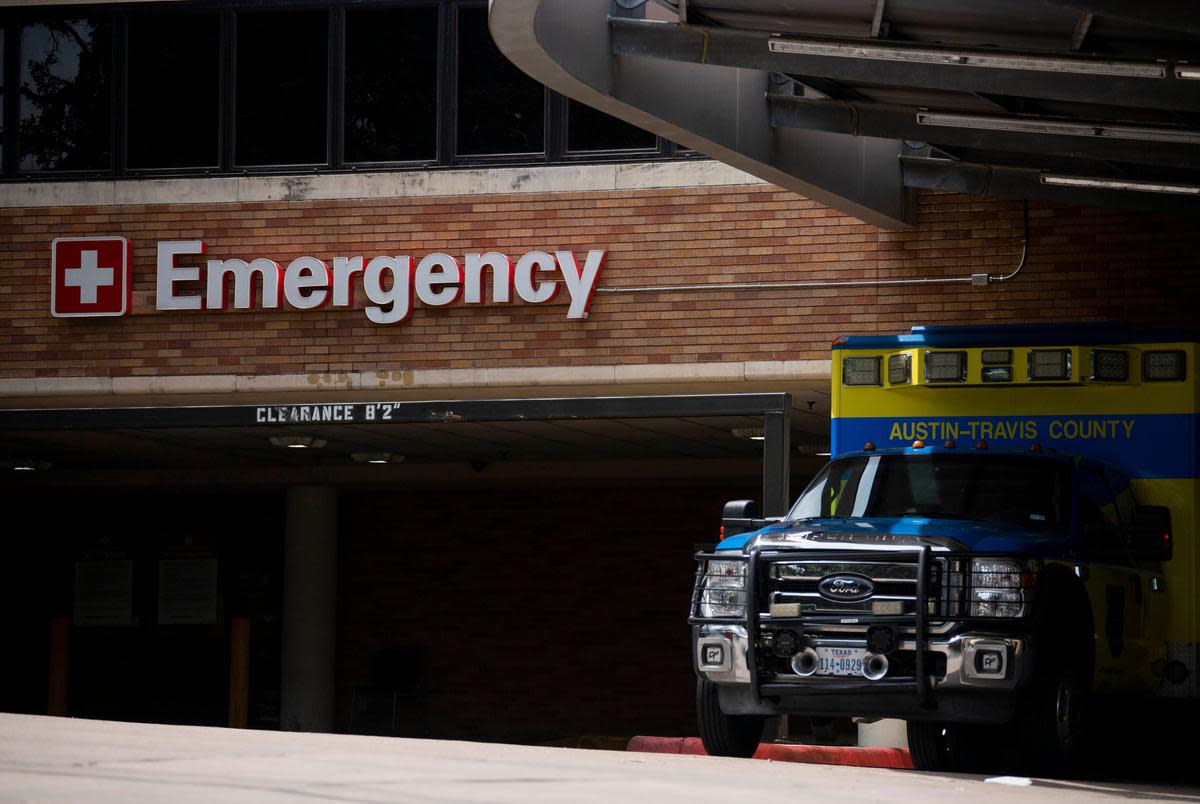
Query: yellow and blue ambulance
x=1004, y=536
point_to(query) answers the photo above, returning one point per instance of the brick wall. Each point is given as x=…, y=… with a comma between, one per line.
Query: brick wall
x=534, y=612
x=1084, y=264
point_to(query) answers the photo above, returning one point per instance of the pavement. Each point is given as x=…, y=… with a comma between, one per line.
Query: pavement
x=59, y=759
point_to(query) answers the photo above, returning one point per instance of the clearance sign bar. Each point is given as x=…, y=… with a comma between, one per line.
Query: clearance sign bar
x=92, y=277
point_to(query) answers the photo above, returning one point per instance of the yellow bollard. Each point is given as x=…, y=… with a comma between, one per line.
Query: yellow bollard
x=60, y=644
x=239, y=673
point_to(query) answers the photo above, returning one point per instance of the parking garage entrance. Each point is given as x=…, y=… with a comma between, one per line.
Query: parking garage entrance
x=513, y=570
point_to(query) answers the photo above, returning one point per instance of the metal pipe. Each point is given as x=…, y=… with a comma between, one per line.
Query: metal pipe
x=970, y=279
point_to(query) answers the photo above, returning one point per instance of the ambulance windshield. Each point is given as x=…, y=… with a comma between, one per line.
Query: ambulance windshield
x=1013, y=489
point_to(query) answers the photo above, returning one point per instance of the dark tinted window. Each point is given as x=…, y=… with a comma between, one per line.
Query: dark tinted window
x=589, y=129
x=65, y=94
x=994, y=488
x=282, y=60
x=391, y=84
x=1099, y=520
x=500, y=109
x=174, y=91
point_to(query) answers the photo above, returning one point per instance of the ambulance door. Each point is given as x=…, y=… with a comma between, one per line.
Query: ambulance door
x=1151, y=636
x=1115, y=585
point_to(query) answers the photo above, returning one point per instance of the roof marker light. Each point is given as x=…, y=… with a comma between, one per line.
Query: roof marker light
x=949, y=444
x=860, y=371
x=1163, y=365
x=1035, y=447
x=918, y=444
x=945, y=366
x=869, y=447
x=1049, y=364
x=981, y=444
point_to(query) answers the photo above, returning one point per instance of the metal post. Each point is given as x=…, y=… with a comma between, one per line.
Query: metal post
x=777, y=447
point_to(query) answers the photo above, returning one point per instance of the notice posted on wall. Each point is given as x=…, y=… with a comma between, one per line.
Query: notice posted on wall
x=187, y=591
x=104, y=592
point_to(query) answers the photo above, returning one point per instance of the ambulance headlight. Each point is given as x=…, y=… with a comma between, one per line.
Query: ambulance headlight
x=899, y=369
x=1000, y=587
x=860, y=371
x=723, y=589
x=1110, y=365
x=1050, y=364
x=945, y=366
x=1160, y=366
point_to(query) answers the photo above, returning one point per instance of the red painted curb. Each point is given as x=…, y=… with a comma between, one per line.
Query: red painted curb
x=812, y=754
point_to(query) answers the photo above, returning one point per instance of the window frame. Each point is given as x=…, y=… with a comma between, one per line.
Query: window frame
x=555, y=106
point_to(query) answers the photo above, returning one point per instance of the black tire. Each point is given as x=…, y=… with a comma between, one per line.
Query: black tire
x=725, y=735
x=961, y=748
x=942, y=747
x=1053, y=716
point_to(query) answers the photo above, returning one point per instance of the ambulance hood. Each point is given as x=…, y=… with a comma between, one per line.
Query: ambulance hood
x=904, y=533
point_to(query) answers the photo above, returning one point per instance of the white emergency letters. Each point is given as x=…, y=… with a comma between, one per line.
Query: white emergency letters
x=392, y=284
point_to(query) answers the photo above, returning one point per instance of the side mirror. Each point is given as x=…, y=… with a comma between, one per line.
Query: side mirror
x=741, y=516
x=1150, y=534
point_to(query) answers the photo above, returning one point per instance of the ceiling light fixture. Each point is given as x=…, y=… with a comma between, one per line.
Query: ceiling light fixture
x=958, y=58
x=376, y=457
x=752, y=433
x=25, y=466
x=298, y=442
x=1057, y=180
x=1022, y=125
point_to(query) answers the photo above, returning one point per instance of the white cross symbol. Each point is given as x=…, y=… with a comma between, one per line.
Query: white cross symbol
x=88, y=276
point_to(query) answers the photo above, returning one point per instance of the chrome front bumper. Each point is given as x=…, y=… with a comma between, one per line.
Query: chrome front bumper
x=974, y=661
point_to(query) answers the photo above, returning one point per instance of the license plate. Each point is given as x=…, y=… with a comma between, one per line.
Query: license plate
x=840, y=661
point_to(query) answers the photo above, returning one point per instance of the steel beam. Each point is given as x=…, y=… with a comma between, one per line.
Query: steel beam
x=1170, y=15
x=1016, y=182
x=449, y=412
x=749, y=50
x=867, y=119
x=777, y=470
x=718, y=110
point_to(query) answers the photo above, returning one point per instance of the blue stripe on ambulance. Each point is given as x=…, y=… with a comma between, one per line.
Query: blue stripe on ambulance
x=1145, y=445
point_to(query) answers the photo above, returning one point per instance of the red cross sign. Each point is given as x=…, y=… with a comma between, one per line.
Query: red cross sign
x=90, y=276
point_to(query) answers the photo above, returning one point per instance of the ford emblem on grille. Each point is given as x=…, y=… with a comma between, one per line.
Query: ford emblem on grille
x=845, y=587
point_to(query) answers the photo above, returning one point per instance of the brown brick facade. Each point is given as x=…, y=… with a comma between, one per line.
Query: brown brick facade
x=1084, y=264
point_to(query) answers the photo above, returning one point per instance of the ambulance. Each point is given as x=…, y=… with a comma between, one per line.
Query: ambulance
x=1003, y=538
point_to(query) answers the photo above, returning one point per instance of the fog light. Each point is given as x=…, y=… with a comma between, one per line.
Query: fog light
x=990, y=662
x=714, y=655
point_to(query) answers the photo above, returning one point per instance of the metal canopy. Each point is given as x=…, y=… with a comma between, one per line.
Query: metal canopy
x=477, y=432
x=1081, y=101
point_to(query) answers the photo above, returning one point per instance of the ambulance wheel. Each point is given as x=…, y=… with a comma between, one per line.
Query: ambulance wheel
x=1052, y=715
x=942, y=747
x=725, y=735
